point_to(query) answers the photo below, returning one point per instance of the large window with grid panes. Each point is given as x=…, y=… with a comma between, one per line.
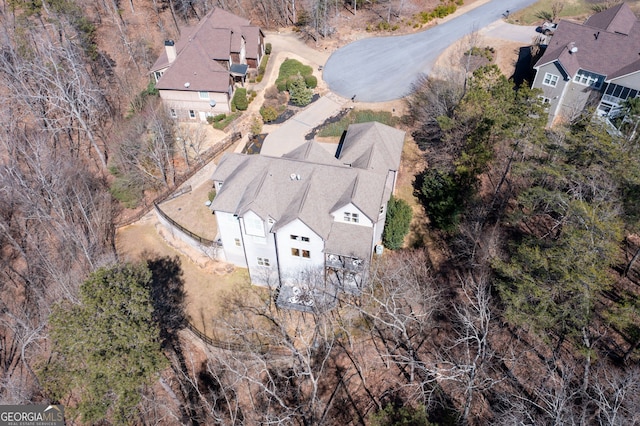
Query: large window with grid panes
x=550, y=79
x=590, y=79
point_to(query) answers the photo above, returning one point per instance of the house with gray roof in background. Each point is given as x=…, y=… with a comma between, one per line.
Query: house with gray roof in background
x=196, y=75
x=308, y=223
x=593, y=64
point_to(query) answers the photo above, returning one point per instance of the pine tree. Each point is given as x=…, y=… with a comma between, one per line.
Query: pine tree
x=106, y=348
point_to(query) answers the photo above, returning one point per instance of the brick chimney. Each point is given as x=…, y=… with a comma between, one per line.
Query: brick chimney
x=170, y=47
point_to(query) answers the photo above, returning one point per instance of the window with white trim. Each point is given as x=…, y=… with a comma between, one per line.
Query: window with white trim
x=192, y=114
x=157, y=75
x=550, y=80
x=299, y=238
x=173, y=113
x=351, y=217
x=237, y=241
x=203, y=95
x=263, y=261
x=590, y=79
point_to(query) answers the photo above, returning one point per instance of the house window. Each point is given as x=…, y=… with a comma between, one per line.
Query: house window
x=192, y=114
x=157, y=75
x=254, y=226
x=173, y=113
x=237, y=241
x=351, y=217
x=263, y=261
x=299, y=238
x=587, y=78
x=300, y=253
x=545, y=102
x=203, y=95
x=382, y=209
x=550, y=80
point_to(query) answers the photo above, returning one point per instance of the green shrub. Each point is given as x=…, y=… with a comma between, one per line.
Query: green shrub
x=392, y=415
x=288, y=69
x=216, y=118
x=256, y=126
x=212, y=194
x=126, y=192
x=268, y=113
x=281, y=85
x=240, y=99
x=224, y=123
x=311, y=81
x=267, y=49
x=263, y=66
x=442, y=198
x=300, y=94
x=397, y=223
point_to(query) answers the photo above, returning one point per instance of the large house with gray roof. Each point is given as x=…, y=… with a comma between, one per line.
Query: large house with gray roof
x=596, y=63
x=309, y=216
x=195, y=76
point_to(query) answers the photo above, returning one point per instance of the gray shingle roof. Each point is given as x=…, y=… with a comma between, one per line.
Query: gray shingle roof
x=309, y=185
x=606, y=43
x=372, y=146
x=312, y=152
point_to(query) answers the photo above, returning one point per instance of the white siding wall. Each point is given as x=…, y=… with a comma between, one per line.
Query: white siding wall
x=339, y=215
x=292, y=266
x=229, y=229
x=378, y=228
x=256, y=250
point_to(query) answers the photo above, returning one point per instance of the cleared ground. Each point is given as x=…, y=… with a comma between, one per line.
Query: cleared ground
x=206, y=281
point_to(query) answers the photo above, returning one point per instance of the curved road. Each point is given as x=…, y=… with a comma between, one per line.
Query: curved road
x=382, y=69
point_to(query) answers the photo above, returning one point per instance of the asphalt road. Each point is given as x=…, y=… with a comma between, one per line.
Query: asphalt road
x=382, y=69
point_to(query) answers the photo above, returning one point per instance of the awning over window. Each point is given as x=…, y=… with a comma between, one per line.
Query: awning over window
x=239, y=70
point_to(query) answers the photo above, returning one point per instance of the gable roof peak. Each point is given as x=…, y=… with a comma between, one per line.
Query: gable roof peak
x=617, y=19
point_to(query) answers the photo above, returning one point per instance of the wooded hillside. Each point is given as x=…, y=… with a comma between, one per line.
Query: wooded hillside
x=519, y=307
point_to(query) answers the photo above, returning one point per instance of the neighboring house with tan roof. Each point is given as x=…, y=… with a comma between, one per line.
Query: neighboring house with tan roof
x=195, y=76
x=596, y=63
x=308, y=216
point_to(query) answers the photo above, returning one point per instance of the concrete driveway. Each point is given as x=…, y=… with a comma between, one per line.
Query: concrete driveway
x=382, y=69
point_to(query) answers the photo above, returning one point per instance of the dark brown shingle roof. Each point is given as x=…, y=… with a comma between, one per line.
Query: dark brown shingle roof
x=599, y=49
x=616, y=19
x=215, y=37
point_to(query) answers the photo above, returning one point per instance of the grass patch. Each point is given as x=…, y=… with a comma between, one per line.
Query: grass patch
x=357, y=116
x=578, y=9
x=290, y=68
